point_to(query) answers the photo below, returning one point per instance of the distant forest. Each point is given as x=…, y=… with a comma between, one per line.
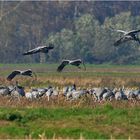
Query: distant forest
x=78, y=29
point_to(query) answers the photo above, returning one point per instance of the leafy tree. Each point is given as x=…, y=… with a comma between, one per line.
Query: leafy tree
x=78, y=29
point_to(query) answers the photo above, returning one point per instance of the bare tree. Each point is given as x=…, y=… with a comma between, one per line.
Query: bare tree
x=5, y=14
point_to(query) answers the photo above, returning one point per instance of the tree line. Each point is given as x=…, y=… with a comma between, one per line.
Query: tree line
x=77, y=29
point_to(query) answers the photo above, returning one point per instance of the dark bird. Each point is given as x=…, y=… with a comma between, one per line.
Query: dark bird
x=18, y=72
x=42, y=49
x=19, y=89
x=76, y=62
x=127, y=35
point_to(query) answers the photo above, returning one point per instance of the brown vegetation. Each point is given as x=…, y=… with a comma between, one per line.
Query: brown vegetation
x=86, y=82
x=62, y=102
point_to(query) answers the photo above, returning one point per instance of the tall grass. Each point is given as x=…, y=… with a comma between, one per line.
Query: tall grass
x=95, y=75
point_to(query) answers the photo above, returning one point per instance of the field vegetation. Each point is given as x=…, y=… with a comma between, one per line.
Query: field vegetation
x=95, y=75
x=102, y=121
x=80, y=119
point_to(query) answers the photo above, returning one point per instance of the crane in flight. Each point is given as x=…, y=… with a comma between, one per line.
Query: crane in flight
x=127, y=35
x=19, y=72
x=42, y=49
x=76, y=62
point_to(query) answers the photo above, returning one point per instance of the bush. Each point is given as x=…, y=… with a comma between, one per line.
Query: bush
x=12, y=116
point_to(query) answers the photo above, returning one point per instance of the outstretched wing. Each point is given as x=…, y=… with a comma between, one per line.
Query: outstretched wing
x=27, y=73
x=13, y=74
x=45, y=49
x=36, y=50
x=76, y=62
x=121, y=40
x=62, y=65
x=134, y=31
x=120, y=31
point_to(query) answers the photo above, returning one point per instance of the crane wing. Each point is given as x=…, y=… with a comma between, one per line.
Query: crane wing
x=13, y=74
x=43, y=49
x=62, y=65
x=121, y=31
x=121, y=40
x=27, y=73
x=76, y=62
x=36, y=50
x=134, y=31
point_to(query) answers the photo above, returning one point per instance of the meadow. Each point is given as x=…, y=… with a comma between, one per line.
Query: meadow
x=95, y=75
x=106, y=121
x=81, y=119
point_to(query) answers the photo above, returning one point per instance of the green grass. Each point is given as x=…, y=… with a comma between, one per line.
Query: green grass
x=92, y=69
x=101, y=122
x=96, y=75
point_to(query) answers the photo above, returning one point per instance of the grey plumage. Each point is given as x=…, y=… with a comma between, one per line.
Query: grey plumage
x=4, y=90
x=19, y=89
x=76, y=62
x=42, y=49
x=127, y=35
x=19, y=72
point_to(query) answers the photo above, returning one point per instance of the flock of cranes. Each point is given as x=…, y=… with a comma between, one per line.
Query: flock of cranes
x=70, y=92
x=127, y=35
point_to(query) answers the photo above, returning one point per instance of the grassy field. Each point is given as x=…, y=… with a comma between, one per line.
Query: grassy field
x=95, y=75
x=101, y=122
x=82, y=119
